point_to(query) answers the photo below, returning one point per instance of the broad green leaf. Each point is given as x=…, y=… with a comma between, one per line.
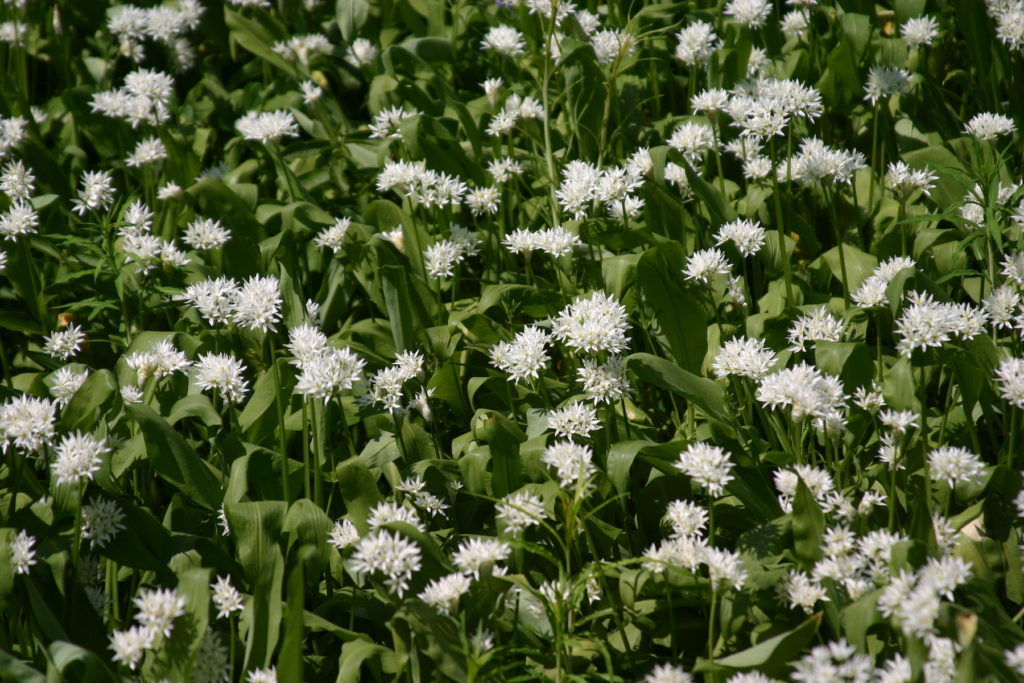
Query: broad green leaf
x=771, y=656
x=358, y=488
x=702, y=392
x=680, y=318
x=808, y=525
x=175, y=460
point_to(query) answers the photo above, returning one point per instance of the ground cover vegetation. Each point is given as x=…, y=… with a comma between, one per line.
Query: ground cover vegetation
x=512, y=341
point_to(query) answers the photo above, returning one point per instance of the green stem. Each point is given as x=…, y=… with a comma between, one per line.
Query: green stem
x=777, y=201
x=282, y=441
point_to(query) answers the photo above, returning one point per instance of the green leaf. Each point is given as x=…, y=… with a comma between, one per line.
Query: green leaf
x=771, y=656
x=175, y=460
x=808, y=525
x=358, y=488
x=680, y=318
x=702, y=392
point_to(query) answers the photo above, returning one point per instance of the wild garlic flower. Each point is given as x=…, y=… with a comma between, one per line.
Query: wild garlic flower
x=97, y=192
x=361, y=53
x=692, y=139
x=752, y=13
x=157, y=609
x=611, y=44
x=519, y=511
x=443, y=594
x=904, y=181
x=744, y=357
x=78, y=456
x=16, y=181
x=390, y=554
x=206, y=233
x=838, y=662
x=988, y=126
x=302, y=47
x=667, y=673
x=23, y=556
x=333, y=237
x=257, y=305
x=794, y=23
x=1010, y=377
x=504, y=40
x=746, y=235
x=919, y=31
x=267, y=127
x=696, y=43
x=214, y=299
x=574, y=419
x=101, y=521
x=388, y=511
x=1000, y=306
x=130, y=645
x=593, y=324
x=708, y=465
x=704, y=264
x=329, y=373
x=925, y=323
x=572, y=463
x=804, y=592
x=954, y=464
x=63, y=344
x=221, y=372
x=387, y=122
x=525, y=356
x=885, y=81
x=504, y=169
x=603, y=382
x=27, y=421
x=817, y=325
x=343, y=534
x=806, y=391
x=480, y=555
x=226, y=597
x=554, y=241
x=147, y=151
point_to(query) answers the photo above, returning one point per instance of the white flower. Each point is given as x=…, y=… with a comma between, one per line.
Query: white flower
x=443, y=594
x=752, y=13
x=221, y=372
x=302, y=47
x=818, y=325
x=387, y=512
x=361, y=52
x=206, y=233
x=572, y=463
x=610, y=45
x=504, y=40
x=954, y=464
x=65, y=382
x=343, y=534
x=226, y=597
x=147, y=151
x=794, y=23
x=311, y=92
x=667, y=673
x=440, y=258
x=523, y=357
x=268, y=675
x=130, y=645
x=483, y=200
x=704, y=264
x=686, y=518
x=78, y=456
x=268, y=126
x=744, y=357
x=390, y=554
x=724, y=566
x=16, y=181
x=97, y=192
x=1015, y=659
x=503, y=169
x=1010, y=376
x=692, y=139
x=158, y=609
x=63, y=344
x=803, y=592
x=574, y=419
x=747, y=235
x=988, y=126
x=19, y=219
x=920, y=31
x=708, y=465
x=257, y=304
x=22, y=554
x=480, y=555
x=329, y=373
x=603, y=382
x=697, y=42
x=519, y=511
x=884, y=81
x=214, y=299
x=592, y=324
x=387, y=122
x=904, y=181
x=27, y=421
